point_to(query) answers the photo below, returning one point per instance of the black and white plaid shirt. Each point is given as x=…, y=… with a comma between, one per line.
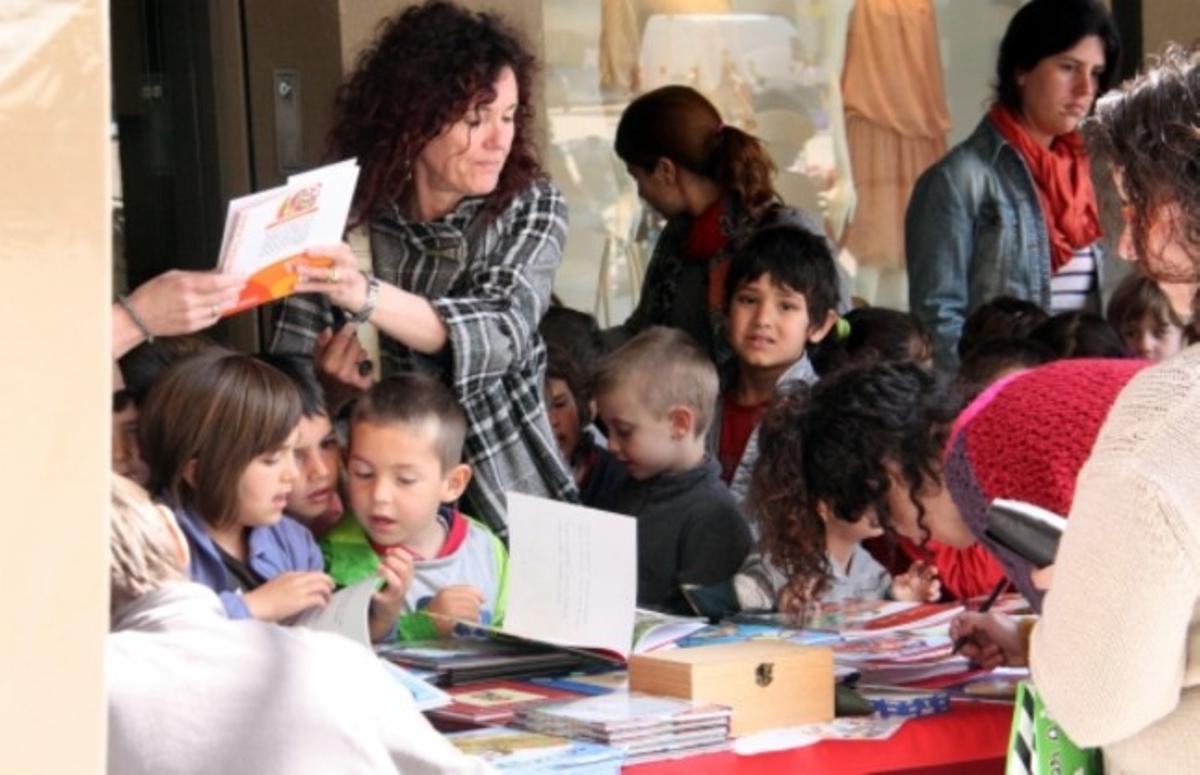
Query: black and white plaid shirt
x=489, y=278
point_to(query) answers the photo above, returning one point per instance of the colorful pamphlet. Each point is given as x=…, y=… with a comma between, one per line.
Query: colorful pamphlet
x=906, y=616
x=521, y=751
x=267, y=232
x=894, y=648
x=495, y=702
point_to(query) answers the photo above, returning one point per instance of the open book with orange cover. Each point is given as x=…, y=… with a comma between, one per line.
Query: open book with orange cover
x=268, y=232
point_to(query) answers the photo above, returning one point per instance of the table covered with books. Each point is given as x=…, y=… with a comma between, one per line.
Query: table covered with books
x=540, y=710
x=970, y=738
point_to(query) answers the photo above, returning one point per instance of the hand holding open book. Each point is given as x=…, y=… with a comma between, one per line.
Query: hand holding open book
x=273, y=236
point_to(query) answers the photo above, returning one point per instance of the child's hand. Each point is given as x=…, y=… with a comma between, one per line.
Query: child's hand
x=397, y=572
x=288, y=594
x=459, y=602
x=918, y=584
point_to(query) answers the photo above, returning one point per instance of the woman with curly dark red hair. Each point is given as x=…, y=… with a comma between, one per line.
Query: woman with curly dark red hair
x=466, y=234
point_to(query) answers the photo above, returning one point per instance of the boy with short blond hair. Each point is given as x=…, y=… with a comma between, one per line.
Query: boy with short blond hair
x=656, y=394
x=405, y=471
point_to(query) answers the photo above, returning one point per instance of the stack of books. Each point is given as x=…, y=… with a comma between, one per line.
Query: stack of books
x=493, y=702
x=899, y=658
x=468, y=660
x=858, y=618
x=519, y=751
x=642, y=727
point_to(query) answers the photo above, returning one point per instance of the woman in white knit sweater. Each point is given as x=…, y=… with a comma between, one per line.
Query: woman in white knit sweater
x=1116, y=654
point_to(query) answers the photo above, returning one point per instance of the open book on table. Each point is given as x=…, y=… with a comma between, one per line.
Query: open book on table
x=572, y=583
x=267, y=232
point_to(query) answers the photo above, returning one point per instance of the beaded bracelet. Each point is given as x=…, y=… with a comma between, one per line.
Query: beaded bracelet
x=136, y=318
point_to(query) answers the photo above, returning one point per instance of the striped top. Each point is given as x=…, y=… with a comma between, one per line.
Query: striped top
x=1072, y=286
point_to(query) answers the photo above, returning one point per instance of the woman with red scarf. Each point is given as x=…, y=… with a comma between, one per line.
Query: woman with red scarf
x=1011, y=210
x=712, y=182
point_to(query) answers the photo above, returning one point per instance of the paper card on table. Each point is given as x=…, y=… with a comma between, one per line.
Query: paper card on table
x=425, y=696
x=572, y=574
x=266, y=231
x=346, y=613
x=853, y=728
x=653, y=630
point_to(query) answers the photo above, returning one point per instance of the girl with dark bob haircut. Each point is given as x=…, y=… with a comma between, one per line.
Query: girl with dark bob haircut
x=1011, y=210
x=712, y=182
x=218, y=430
x=863, y=444
x=465, y=236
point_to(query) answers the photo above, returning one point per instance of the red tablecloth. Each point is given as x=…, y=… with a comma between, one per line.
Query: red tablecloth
x=971, y=738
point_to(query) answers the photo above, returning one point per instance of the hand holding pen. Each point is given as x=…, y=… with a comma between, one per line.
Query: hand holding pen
x=988, y=639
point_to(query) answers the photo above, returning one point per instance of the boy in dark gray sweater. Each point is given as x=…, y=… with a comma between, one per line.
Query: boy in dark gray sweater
x=656, y=394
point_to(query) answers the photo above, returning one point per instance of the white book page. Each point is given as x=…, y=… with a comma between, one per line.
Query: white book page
x=232, y=241
x=572, y=574
x=347, y=612
x=270, y=226
x=233, y=218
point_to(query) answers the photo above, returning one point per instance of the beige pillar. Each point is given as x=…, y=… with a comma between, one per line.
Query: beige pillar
x=55, y=404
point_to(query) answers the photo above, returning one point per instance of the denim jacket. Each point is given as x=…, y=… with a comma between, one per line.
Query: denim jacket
x=974, y=230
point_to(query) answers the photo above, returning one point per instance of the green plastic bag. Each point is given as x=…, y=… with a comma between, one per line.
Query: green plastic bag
x=1038, y=746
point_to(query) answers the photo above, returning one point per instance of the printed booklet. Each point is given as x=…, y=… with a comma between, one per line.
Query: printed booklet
x=267, y=232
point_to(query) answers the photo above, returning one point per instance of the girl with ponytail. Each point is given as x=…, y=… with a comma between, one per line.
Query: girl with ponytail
x=713, y=184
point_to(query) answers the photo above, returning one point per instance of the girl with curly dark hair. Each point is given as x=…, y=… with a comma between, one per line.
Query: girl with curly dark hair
x=854, y=457
x=712, y=182
x=466, y=234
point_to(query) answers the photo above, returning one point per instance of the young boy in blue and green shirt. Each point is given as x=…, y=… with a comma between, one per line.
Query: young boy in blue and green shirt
x=406, y=439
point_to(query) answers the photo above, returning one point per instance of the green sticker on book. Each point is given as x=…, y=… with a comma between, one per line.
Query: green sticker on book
x=1037, y=745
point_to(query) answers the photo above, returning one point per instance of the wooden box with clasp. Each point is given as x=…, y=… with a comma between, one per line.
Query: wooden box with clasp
x=767, y=683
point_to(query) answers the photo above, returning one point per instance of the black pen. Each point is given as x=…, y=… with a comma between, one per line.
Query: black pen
x=983, y=609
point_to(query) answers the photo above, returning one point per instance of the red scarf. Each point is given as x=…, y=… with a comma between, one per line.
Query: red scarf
x=705, y=239
x=1062, y=174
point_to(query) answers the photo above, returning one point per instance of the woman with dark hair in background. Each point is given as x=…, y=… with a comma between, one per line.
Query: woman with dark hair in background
x=466, y=235
x=1011, y=209
x=712, y=182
